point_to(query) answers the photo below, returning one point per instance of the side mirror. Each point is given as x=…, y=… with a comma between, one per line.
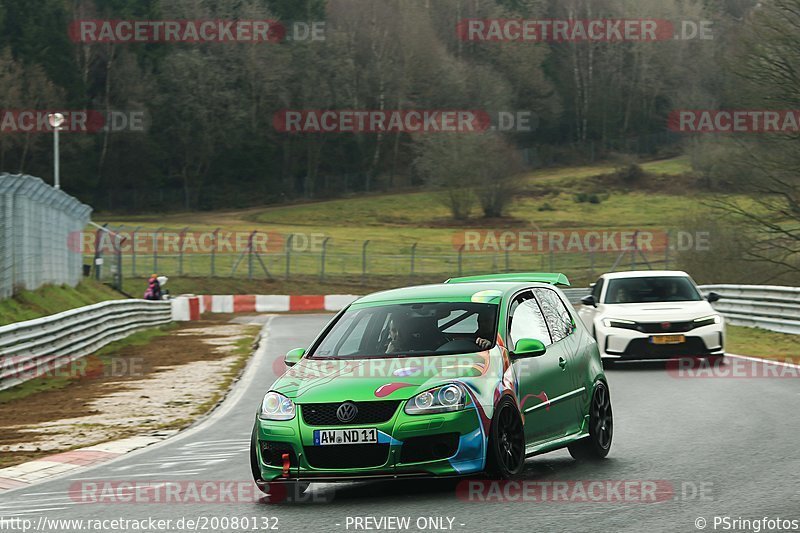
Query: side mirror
x=713, y=297
x=589, y=300
x=293, y=356
x=529, y=348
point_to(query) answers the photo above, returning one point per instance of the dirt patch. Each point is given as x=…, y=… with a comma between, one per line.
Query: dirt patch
x=165, y=383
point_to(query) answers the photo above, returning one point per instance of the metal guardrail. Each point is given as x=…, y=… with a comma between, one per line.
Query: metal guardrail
x=574, y=295
x=759, y=306
x=35, y=347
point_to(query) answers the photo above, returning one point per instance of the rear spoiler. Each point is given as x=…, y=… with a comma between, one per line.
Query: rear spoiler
x=553, y=278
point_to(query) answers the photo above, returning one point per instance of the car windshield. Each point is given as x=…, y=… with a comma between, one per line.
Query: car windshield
x=418, y=329
x=651, y=289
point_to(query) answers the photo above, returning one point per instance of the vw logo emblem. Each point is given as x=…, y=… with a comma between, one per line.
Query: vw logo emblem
x=347, y=412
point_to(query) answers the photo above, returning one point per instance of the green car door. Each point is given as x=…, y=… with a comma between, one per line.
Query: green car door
x=544, y=379
x=567, y=345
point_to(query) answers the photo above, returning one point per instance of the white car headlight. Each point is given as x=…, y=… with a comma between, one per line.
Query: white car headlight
x=619, y=323
x=707, y=321
x=444, y=399
x=276, y=406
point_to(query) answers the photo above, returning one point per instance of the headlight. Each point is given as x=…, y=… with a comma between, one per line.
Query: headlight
x=707, y=321
x=444, y=399
x=276, y=407
x=620, y=323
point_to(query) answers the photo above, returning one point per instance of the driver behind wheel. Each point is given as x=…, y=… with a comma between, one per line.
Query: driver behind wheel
x=485, y=330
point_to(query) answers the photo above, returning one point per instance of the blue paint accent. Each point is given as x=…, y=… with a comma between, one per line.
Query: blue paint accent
x=471, y=455
x=385, y=438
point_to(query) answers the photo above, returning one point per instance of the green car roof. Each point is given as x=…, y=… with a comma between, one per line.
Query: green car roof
x=553, y=278
x=454, y=290
x=435, y=292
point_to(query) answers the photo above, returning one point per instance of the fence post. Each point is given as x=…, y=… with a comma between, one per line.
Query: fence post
x=460, y=259
x=322, y=259
x=508, y=264
x=633, y=250
x=591, y=263
x=118, y=277
x=181, y=239
x=289, y=255
x=155, y=249
x=98, y=252
x=364, y=261
x=413, y=257
x=250, y=255
x=551, y=260
x=214, y=253
x=666, y=252
x=133, y=250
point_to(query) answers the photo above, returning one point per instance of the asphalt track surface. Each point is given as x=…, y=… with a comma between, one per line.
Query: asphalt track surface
x=712, y=447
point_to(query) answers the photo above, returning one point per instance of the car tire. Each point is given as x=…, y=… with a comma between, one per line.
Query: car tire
x=601, y=427
x=277, y=492
x=505, y=453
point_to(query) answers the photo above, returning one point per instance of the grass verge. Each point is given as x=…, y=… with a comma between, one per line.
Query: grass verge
x=65, y=376
x=52, y=299
x=757, y=342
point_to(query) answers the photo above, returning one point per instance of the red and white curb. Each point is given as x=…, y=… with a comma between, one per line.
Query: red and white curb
x=190, y=307
x=24, y=474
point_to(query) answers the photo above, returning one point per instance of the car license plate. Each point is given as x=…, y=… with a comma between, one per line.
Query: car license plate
x=667, y=339
x=324, y=437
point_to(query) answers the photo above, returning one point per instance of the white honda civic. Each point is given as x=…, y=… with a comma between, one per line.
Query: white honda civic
x=652, y=315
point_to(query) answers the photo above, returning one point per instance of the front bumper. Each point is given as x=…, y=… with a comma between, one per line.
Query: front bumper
x=618, y=343
x=440, y=445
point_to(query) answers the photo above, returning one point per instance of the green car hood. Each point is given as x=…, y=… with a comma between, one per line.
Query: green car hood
x=318, y=381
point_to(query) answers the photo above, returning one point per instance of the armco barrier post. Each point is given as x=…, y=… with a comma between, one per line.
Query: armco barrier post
x=460, y=259
x=413, y=257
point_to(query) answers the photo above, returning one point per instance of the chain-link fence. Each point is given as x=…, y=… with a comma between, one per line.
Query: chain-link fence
x=37, y=226
x=265, y=255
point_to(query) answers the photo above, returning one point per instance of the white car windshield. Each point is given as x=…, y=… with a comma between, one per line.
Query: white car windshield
x=651, y=289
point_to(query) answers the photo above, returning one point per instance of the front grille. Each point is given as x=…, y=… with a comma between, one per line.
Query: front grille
x=658, y=327
x=644, y=348
x=429, y=448
x=324, y=414
x=272, y=453
x=347, y=455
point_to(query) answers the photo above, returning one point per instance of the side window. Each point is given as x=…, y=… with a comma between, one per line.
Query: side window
x=527, y=321
x=555, y=313
x=597, y=290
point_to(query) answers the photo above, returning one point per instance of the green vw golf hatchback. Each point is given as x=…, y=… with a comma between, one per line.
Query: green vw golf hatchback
x=469, y=376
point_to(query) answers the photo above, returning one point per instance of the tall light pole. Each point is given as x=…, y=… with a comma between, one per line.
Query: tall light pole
x=56, y=120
